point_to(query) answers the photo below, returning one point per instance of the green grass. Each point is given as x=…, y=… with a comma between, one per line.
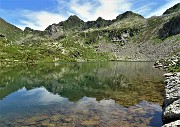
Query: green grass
x=174, y=69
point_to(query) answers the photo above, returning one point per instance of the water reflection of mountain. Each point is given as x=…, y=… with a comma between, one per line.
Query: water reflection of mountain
x=125, y=82
x=38, y=107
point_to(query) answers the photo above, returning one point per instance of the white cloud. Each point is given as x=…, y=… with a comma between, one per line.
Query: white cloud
x=107, y=9
x=85, y=9
x=163, y=8
x=110, y=9
x=39, y=20
x=82, y=10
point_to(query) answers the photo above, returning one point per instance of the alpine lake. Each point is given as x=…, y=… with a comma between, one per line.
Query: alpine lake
x=89, y=94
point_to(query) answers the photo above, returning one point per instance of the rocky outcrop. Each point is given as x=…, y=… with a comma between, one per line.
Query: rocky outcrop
x=2, y=35
x=73, y=23
x=100, y=22
x=167, y=63
x=60, y=30
x=122, y=35
x=28, y=30
x=170, y=28
x=55, y=31
x=171, y=106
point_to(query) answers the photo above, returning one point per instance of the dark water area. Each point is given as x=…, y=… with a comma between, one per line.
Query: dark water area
x=102, y=94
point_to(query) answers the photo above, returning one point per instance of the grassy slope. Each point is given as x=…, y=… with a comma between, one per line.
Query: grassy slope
x=47, y=51
x=11, y=32
x=78, y=46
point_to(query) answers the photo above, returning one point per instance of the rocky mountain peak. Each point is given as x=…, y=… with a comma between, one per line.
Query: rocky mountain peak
x=100, y=19
x=74, y=18
x=128, y=14
x=28, y=30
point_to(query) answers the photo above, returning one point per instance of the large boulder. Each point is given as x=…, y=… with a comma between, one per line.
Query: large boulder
x=172, y=112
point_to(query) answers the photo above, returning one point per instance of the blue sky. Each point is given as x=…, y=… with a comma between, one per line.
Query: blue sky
x=38, y=14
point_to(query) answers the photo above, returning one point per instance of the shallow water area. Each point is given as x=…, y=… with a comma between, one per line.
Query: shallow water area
x=81, y=94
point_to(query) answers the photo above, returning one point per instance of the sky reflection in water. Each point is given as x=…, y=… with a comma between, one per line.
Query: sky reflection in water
x=83, y=95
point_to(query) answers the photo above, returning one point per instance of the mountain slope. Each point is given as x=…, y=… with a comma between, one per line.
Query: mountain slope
x=10, y=31
x=128, y=37
x=175, y=8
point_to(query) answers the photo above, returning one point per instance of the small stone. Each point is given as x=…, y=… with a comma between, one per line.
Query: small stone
x=168, y=74
x=177, y=74
x=20, y=121
x=46, y=123
x=68, y=119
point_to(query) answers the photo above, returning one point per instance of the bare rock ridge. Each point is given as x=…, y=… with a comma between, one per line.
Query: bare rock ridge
x=170, y=28
x=74, y=23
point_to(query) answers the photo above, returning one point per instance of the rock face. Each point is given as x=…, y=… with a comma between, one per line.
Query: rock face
x=100, y=22
x=170, y=28
x=171, y=106
x=28, y=30
x=73, y=23
x=166, y=63
x=55, y=31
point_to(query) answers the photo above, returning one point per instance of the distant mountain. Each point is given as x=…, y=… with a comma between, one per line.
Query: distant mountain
x=129, y=37
x=175, y=8
x=74, y=23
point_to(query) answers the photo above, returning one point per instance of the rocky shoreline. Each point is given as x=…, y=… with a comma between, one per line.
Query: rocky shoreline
x=171, y=105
